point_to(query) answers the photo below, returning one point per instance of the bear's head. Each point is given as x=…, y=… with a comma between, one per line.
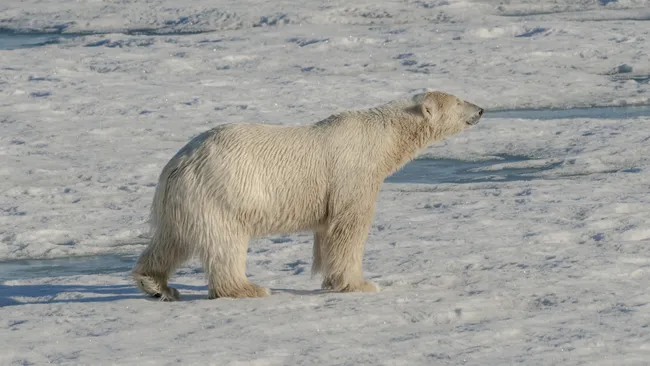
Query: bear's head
x=447, y=113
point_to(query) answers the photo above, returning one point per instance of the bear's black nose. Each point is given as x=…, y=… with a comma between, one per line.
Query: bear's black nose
x=480, y=112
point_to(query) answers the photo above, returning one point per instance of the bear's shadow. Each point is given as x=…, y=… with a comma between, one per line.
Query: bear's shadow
x=51, y=294
x=297, y=292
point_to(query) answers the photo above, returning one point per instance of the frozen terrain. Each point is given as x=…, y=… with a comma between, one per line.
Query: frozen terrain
x=524, y=240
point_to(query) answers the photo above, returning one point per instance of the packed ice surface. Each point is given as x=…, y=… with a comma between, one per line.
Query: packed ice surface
x=530, y=246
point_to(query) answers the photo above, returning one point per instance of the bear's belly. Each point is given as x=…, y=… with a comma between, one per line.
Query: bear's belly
x=277, y=208
x=267, y=201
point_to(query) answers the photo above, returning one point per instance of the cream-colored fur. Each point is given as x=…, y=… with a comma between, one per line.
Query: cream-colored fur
x=239, y=181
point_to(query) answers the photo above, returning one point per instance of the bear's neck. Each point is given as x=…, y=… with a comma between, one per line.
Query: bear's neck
x=409, y=133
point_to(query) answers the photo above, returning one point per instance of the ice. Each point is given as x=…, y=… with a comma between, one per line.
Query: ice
x=65, y=266
x=525, y=239
x=10, y=41
x=591, y=113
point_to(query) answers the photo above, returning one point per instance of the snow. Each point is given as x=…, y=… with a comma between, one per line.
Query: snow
x=525, y=239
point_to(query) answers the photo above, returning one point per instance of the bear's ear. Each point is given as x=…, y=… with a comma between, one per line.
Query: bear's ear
x=429, y=105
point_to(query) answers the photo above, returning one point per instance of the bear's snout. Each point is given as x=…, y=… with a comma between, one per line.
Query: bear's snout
x=474, y=113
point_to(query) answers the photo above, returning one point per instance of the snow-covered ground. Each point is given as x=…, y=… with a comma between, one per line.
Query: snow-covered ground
x=518, y=241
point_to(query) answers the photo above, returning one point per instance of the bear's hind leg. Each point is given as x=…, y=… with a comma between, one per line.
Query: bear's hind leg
x=224, y=262
x=156, y=286
x=158, y=261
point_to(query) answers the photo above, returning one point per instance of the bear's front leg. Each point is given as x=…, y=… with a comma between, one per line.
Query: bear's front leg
x=341, y=252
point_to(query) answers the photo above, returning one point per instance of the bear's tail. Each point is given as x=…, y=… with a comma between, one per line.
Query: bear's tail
x=159, y=197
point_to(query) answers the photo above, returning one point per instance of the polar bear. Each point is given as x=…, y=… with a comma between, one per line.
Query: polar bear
x=239, y=181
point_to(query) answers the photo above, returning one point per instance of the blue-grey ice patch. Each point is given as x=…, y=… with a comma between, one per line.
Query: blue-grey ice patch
x=12, y=40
